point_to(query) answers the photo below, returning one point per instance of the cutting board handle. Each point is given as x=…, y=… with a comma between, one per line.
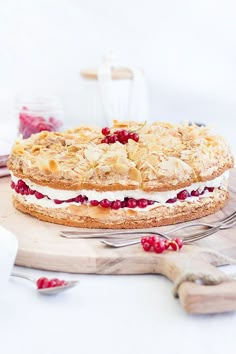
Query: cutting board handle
x=194, y=296
x=206, y=299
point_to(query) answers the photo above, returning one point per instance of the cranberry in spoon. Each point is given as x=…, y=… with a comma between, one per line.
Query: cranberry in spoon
x=47, y=286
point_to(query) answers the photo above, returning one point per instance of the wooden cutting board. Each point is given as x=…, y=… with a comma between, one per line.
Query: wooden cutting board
x=40, y=246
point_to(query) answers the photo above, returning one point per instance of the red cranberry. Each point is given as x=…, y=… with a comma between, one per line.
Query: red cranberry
x=182, y=195
x=131, y=203
x=144, y=239
x=105, y=203
x=22, y=191
x=122, y=140
x=17, y=189
x=21, y=184
x=105, y=140
x=52, y=283
x=94, y=202
x=210, y=189
x=70, y=200
x=13, y=185
x=79, y=199
x=159, y=246
x=40, y=282
x=112, y=139
x=142, y=203
x=31, y=192
x=57, y=201
x=195, y=193
x=171, y=200
x=27, y=191
x=123, y=204
x=39, y=195
x=105, y=131
x=153, y=239
x=134, y=136
x=179, y=242
x=167, y=244
x=116, y=205
x=147, y=246
x=151, y=202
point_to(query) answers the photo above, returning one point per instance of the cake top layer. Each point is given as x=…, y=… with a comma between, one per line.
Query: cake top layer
x=166, y=157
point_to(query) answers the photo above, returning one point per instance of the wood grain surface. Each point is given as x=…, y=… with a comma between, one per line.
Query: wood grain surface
x=40, y=246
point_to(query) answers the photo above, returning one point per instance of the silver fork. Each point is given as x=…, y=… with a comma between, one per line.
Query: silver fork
x=113, y=233
x=187, y=239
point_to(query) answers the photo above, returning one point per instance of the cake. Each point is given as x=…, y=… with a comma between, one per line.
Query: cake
x=132, y=175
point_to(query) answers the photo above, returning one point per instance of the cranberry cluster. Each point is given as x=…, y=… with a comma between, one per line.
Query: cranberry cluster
x=185, y=194
x=43, y=283
x=126, y=203
x=122, y=136
x=158, y=245
x=21, y=188
x=31, y=124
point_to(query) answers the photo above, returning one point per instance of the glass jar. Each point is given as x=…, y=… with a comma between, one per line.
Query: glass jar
x=36, y=114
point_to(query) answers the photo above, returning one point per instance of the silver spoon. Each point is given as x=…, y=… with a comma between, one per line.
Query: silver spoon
x=48, y=291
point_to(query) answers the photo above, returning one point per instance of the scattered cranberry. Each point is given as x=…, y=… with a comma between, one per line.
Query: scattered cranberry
x=105, y=131
x=112, y=139
x=182, y=195
x=79, y=199
x=131, y=203
x=31, y=124
x=210, y=189
x=122, y=136
x=105, y=203
x=179, y=242
x=57, y=201
x=159, y=246
x=142, y=203
x=195, y=193
x=144, y=239
x=43, y=283
x=21, y=184
x=116, y=205
x=94, y=202
x=39, y=195
x=147, y=246
x=172, y=200
x=13, y=185
x=134, y=136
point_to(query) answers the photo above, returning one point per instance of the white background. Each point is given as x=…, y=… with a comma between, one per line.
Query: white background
x=186, y=48
x=188, y=52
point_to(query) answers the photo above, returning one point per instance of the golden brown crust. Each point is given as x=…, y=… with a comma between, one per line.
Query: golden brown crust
x=167, y=157
x=97, y=217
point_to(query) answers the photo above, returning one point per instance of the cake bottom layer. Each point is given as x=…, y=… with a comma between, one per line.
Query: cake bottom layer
x=86, y=216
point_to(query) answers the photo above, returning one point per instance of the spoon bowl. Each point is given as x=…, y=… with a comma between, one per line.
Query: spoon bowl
x=52, y=290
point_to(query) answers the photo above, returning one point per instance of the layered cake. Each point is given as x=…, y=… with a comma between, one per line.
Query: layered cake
x=132, y=175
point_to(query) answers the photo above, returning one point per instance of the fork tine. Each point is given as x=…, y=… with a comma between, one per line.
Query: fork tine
x=227, y=218
x=201, y=235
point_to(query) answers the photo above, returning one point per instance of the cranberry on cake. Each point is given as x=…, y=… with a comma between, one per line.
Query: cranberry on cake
x=128, y=176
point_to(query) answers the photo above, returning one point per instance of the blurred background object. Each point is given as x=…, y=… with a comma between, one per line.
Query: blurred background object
x=187, y=50
x=112, y=91
x=35, y=114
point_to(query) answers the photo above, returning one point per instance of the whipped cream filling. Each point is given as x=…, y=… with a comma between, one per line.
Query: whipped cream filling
x=160, y=197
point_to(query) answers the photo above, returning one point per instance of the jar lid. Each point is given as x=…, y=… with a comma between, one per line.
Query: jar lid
x=121, y=73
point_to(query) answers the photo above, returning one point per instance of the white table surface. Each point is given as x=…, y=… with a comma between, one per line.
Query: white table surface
x=109, y=315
